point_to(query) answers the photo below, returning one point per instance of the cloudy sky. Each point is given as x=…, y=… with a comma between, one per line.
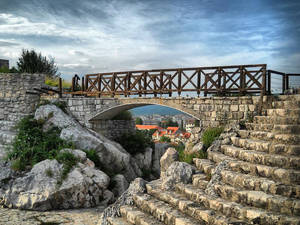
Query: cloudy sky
x=86, y=36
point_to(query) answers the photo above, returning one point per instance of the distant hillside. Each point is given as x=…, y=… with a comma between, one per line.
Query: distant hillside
x=154, y=109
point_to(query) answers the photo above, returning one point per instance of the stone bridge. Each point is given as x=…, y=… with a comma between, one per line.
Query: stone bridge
x=96, y=113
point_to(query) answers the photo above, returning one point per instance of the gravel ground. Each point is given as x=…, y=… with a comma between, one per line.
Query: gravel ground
x=60, y=217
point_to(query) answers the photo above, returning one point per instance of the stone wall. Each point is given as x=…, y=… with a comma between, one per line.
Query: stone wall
x=15, y=103
x=83, y=109
x=113, y=128
x=211, y=111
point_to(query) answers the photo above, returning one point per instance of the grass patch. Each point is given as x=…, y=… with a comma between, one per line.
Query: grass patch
x=93, y=156
x=188, y=158
x=32, y=145
x=54, y=82
x=209, y=135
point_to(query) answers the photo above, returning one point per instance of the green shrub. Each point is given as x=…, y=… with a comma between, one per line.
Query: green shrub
x=93, y=156
x=54, y=82
x=188, y=158
x=125, y=115
x=165, y=139
x=135, y=143
x=4, y=69
x=32, y=145
x=61, y=105
x=69, y=161
x=209, y=135
x=49, y=172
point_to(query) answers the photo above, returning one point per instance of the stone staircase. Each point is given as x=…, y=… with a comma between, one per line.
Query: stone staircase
x=259, y=185
x=7, y=134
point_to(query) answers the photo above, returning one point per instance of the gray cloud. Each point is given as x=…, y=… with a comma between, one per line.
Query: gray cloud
x=93, y=36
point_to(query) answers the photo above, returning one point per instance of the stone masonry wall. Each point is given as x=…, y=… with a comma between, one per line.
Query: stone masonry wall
x=15, y=103
x=84, y=109
x=113, y=128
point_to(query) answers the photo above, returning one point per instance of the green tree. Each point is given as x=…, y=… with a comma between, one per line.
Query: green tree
x=4, y=69
x=138, y=121
x=32, y=62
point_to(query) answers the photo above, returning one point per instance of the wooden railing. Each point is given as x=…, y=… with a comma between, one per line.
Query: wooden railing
x=220, y=80
x=285, y=80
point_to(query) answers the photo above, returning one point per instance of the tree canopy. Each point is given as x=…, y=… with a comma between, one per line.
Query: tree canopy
x=33, y=62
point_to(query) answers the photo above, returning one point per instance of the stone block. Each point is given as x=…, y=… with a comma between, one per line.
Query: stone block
x=234, y=108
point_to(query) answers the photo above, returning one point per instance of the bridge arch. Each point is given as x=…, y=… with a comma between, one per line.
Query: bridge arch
x=109, y=113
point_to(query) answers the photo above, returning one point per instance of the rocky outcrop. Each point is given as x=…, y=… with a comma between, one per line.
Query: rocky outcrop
x=113, y=157
x=170, y=156
x=39, y=189
x=138, y=186
x=251, y=176
x=177, y=172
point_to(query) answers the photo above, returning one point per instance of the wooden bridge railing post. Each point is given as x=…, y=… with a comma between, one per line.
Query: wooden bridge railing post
x=242, y=81
x=161, y=83
x=269, y=83
x=82, y=84
x=179, y=82
x=219, y=81
x=170, y=85
x=198, y=82
x=99, y=85
x=128, y=83
x=113, y=80
x=155, y=86
x=283, y=83
x=86, y=82
x=205, y=82
x=286, y=82
x=60, y=87
x=145, y=83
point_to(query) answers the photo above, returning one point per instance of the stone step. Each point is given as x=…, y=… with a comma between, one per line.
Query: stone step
x=276, y=120
x=204, y=165
x=6, y=125
x=196, y=210
x=288, y=104
x=117, y=221
x=269, y=136
x=259, y=127
x=135, y=216
x=294, y=97
x=295, y=113
x=261, y=158
x=266, y=146
x=162, y=211
x=7, y=137
x=274, y=128
x=255, y=183
x=236, y=210
x=286, y=176
x=259, y=199
x=200, y=180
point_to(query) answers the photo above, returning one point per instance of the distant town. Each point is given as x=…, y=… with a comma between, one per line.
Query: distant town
x=167, y=128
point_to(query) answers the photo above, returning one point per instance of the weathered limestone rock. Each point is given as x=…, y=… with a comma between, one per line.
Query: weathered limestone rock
x=144, y=160
x=120, y=185
x=136, y=187
x=38, y=189
x=170, y=156
x=160, y=149
x=177, y=172
x=112, y=156
x=196, y=148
